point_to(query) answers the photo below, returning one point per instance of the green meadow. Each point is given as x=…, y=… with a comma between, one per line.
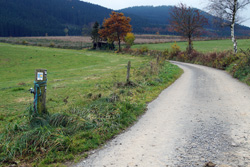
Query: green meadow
x=71, y=74
x=201, y=46
x=87, y=100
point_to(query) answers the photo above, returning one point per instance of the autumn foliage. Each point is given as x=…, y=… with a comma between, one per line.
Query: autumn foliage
x=129, y=39
x=188, y=22
x=115, y=28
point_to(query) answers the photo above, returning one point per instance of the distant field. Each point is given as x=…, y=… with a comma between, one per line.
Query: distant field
x=66, y=42
x=71, y=73
x=82, y=41
x=202, y=46
x=153, y=42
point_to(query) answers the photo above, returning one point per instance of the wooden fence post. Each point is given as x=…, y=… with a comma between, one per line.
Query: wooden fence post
x=151, y=67
x=40, y=87
x=128, y=71
x=157, y=59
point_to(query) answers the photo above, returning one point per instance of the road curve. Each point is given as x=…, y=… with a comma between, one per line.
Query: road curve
x=204, y=116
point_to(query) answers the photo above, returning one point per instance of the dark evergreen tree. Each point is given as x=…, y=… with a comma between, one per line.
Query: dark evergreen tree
x=86, y=30
x=95, y=36
x=38, y=17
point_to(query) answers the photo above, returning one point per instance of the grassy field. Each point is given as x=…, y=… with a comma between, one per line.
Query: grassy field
x=153, y=42
x=202, y=46
x=66, y=42
x=71, y=74
x=86, y=98
x=78, y=42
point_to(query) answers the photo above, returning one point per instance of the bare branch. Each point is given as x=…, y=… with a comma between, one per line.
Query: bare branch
x=227, y=11
x=187, y=21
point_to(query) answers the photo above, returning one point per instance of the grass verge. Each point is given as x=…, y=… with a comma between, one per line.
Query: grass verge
x=238, y=65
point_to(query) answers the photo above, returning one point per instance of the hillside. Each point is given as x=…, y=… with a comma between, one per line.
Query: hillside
x=46, y=17
x=38, y=17
x=158, y=17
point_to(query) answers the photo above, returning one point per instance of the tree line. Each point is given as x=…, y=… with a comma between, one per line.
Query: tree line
x=40, y=17
x=46, y=17
x=186, y=21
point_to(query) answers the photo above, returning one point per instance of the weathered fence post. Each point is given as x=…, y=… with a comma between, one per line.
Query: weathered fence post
x=157, y=59
x=128, y=71
x=151, y=67
x=40, y=87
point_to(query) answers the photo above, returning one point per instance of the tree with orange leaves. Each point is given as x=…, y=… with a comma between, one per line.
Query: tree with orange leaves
x=188, y=22
x=116, y=27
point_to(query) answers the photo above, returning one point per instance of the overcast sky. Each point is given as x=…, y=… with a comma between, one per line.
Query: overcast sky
x=120, y=4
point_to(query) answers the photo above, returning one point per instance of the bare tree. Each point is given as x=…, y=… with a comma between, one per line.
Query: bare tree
x=188, y=22
x=227, y=11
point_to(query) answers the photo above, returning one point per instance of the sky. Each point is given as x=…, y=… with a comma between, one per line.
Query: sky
x=200, y=4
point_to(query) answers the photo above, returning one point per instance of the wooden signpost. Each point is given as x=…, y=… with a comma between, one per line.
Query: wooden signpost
x=40, y=87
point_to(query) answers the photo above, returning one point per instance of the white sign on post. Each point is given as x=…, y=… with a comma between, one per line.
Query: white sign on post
x=40, y=76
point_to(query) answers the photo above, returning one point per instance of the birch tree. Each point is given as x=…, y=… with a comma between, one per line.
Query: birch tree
x=228, y=12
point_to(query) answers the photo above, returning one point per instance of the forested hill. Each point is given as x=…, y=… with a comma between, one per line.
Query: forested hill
x=38, y=17
x=156, y=15
x=51, y=17
x=159, y=17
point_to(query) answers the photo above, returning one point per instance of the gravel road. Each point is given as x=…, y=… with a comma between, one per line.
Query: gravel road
x=204, y=116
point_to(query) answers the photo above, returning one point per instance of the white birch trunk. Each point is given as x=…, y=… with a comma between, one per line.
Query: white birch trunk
x=233, y=38
x=232, y=26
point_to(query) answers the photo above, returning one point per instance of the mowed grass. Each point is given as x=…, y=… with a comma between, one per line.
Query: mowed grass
x=201, y=46
x=72, y=74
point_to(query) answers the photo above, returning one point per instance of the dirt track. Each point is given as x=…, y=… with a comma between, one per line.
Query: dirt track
x=204, y=116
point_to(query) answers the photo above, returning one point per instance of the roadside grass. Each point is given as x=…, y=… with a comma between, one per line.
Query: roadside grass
x=201, y=46
x=87, y=100
x=237, y=64
x=217, y=54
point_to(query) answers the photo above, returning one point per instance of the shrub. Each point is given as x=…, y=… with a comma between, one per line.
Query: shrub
x=175, y=49
x=165, y=53
x=222, y=61
x=52, y=44
x=193, y=56
x=182, y=56
x=25, y=42
x=143, y=50
x=129, y=39
x=241, y=67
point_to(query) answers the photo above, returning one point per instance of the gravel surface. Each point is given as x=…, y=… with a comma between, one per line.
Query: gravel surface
x=203, y=117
